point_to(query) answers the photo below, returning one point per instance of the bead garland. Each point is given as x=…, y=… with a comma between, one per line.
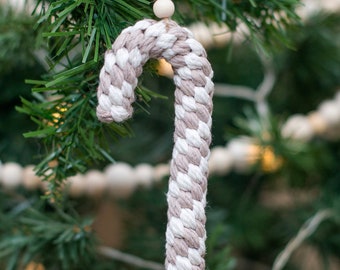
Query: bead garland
x=325, y=122
x=120, y=179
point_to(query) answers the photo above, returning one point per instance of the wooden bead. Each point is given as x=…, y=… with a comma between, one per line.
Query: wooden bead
x=298, y=127
x=330, y=112
x=144, y=175
x=29, y=179
x=221, y=161
x=77, y=185
x=11, y=175
x=317, y=122
x=163, y=8
x=244, y=154
x=96, y=183
x=121, y=179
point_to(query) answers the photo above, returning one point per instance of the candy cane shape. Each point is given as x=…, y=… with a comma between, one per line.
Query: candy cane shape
x=186, y=197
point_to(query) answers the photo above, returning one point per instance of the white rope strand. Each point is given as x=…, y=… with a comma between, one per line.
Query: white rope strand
x=185, y=235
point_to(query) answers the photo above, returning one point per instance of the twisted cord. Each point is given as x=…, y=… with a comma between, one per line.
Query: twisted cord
x=186, y=197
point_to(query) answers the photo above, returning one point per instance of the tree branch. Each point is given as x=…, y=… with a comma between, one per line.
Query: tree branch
x=266, y=86
x=129, y=259
x=307, y=229
x=258, y=96
x=228, y=90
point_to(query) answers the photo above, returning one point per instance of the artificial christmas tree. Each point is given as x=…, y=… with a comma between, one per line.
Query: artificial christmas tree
x=275, y=148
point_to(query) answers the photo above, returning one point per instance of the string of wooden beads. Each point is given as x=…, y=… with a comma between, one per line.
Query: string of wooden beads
x=324, y=122
x=120, y=179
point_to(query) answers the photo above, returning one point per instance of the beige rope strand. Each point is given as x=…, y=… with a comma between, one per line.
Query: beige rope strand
x=185, y=235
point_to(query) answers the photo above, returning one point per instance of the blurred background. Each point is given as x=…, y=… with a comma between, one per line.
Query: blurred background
x=70, y=185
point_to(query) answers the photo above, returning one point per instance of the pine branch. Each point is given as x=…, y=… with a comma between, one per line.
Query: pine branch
x=54, y=238
x=75, y=34
x=266, y=21
x=16, y=39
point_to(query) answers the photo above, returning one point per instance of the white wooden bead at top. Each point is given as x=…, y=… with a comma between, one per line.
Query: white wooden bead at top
x=163, y=8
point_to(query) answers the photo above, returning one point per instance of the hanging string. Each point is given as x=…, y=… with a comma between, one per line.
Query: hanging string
x=224, y=10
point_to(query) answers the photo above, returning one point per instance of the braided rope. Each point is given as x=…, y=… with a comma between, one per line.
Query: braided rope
x=186, y=197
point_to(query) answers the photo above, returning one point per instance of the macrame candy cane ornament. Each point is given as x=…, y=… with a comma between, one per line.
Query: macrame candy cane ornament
x=186, y=197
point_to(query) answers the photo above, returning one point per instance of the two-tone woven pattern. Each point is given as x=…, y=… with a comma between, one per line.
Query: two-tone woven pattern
x=185, y=235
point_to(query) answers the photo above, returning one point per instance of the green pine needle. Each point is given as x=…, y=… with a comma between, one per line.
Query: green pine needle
x=76, y=35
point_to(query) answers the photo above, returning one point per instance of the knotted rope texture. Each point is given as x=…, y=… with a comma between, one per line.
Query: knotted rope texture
x=186, y=197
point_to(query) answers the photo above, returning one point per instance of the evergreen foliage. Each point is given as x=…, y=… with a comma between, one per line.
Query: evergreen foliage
x=76, y=34
x=65, y=136
x=17, y=62
x=33, y=231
